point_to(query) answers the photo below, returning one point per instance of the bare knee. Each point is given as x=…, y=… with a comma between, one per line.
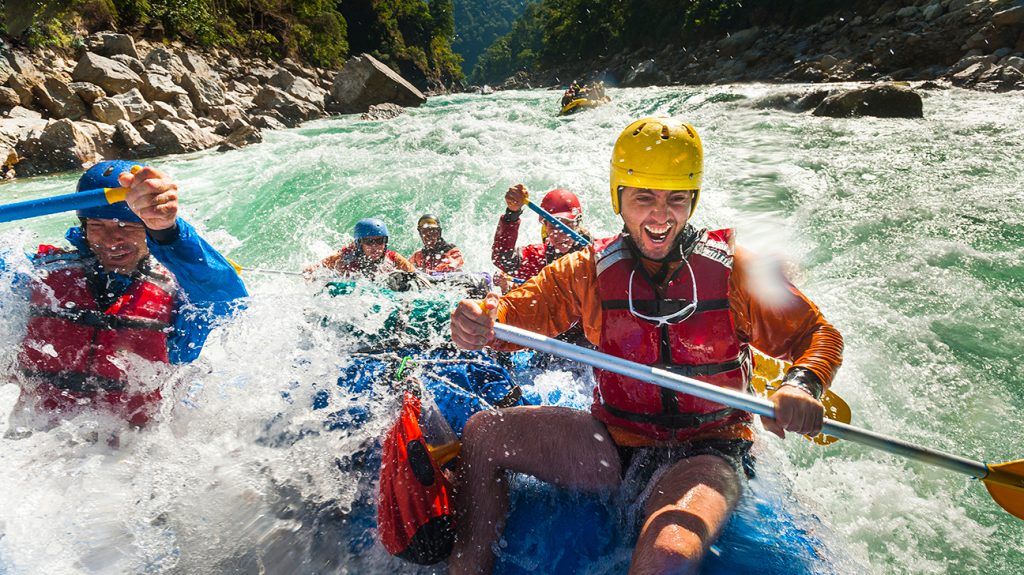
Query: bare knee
x=673, y=543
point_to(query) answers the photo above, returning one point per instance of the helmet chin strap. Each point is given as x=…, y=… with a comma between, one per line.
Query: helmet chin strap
x=681, y=248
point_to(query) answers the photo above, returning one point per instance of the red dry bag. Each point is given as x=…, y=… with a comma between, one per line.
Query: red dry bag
x=415, y=519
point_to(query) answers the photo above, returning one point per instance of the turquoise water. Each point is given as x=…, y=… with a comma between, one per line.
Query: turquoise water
x=908, y=233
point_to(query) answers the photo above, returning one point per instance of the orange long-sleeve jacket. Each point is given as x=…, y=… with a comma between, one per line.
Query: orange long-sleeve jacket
x=769, y=312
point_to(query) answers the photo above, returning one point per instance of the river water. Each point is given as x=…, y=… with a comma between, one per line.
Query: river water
x=909, y=234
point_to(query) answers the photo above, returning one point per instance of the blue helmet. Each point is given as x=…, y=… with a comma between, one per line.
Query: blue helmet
x=104, y=175
x=370, y=227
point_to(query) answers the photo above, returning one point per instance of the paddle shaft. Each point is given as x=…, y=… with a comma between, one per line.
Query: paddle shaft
x=558, y=224
x=62, y=203
x=734, y=399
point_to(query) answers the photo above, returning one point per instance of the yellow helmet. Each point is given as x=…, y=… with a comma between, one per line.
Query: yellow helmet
x=659, y=154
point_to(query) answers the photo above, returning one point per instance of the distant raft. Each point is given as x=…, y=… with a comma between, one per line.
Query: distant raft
x=582, y=104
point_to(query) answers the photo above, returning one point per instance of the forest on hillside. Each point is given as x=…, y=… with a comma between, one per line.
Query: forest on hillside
x=478, y=23
x=414, y=36
x=555, y=32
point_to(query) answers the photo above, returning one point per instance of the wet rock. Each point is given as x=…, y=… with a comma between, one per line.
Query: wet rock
x=58, y=99
x=134, y=104
x=293, y=110
x=110, y=44
x=797, y=101
x=268, y=123
x=62, y=145
x=970, y=75
x=87, y=91
x=518, y=81
x=882, y=100
x=736, y=43
x=382, y=112
x=645, y=73
x=242, y=136
x=111, y=75
x=170, y=137
x=364, y=81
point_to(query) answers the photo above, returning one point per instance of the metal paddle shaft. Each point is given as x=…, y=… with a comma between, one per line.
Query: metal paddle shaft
x=558, y=224
x=733, y=398
x=62, y=203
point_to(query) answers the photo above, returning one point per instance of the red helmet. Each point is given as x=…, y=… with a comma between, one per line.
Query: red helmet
x=562, y=204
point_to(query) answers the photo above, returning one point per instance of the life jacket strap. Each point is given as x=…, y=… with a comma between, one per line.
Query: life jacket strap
x=77, y=382
x=674, y=420
x=665, y=307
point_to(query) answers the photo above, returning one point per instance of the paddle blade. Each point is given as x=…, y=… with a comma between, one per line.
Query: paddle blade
x=1005, y=483
x=768, y=373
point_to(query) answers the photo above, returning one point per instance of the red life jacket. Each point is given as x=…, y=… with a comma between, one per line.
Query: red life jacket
x=73, y=347
x=534, y=258
x=704, y=345
x=352, y=262
x=415, y=519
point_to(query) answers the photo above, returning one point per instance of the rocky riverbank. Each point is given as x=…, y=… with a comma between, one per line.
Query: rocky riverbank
x=976, y=44
x=115, y=97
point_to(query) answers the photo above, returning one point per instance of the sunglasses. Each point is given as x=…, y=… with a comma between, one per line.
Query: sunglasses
x=377, y=241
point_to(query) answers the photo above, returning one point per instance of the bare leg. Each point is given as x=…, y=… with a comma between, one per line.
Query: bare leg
x=688, y=507
x=559, y=445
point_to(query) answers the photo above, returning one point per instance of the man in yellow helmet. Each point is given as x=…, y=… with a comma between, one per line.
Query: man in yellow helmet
x=661, y=293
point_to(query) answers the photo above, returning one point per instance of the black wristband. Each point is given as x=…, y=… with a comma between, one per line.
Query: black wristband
x=512, y=215
x=165, y=237
x=804, y=379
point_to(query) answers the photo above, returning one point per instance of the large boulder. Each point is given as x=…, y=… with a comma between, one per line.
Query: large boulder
x=131, y=141
x=111, y=75
x=87, y=91
x=157, y=87
x=795, y=101
x=134, y=64
x=737, y=42
x=61, y=146
x=58, y=99
x=109, y=111
x=365, y=81
x=6, y=71
x=177, y=137
x=203, y=85
x=134, y=104
x=293, y=110
x=882, y=100
x=645, y=73
x=9, y=98
x=111, y=44
x=165, y=61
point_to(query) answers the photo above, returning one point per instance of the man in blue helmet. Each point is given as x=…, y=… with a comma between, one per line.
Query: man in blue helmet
x=139, y=289
x=368, y=255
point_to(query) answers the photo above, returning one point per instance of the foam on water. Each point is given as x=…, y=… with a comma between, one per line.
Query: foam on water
x=907, y=233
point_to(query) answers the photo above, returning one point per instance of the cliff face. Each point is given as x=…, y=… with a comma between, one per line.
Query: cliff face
x=970, y=43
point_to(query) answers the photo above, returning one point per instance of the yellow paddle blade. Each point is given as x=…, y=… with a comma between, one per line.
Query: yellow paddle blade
x=768, y=372
x=1005, y=483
